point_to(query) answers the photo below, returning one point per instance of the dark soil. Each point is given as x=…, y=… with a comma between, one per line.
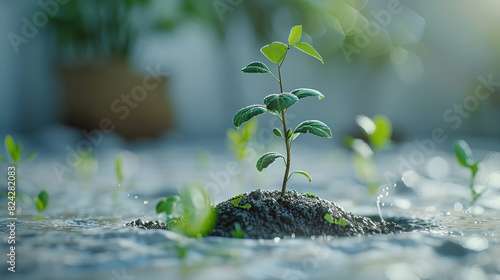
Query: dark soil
x=295, y=214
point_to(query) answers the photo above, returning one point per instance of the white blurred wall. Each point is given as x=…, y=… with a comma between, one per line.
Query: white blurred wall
x=207, y=87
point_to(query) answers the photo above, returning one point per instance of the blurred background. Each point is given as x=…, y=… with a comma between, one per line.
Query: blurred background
x=147, y=67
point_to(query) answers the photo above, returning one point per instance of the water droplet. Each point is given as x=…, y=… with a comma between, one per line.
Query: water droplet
x=383, y=204
x=277, y=240
x=387, y=194
x=136, y=196
x=146, y=202
x=128, y=194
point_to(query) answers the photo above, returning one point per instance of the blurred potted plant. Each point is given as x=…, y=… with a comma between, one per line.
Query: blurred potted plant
x=96, y=39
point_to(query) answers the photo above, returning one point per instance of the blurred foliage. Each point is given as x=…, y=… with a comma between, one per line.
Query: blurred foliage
x=378, y=132
x=238, y=139
x=94, y=28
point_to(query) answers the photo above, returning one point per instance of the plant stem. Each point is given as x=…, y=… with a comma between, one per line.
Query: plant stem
x=474, y=194
x=287, y=143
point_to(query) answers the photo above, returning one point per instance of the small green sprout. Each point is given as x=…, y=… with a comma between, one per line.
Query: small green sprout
x=310, y=195
x=463, y=155
x=167, y=206
x=236, y=202
x=85, y=167
x=14, y=156
x=118, y=170
x=15, y=151
x=339, y=221
x=41, y=201
x=378, y=131
x=198, y=216
x=277, y=104
x=237, y=232
x=238, y=139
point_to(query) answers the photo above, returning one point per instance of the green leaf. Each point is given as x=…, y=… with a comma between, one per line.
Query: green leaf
x=308, y=49
x=275, y=51
x=12, y=148
x=118, y=169
x=277, y=132
x=328, y=217
x=303, y=173
x=238, y=232
x=236, y=203
x=31, y=156
x=366, y=124
x=266, y=159
x=383, y=132
x=305, y=92
x=247, y=113
x=295, y=35
x=42, y=200
x=463, y=153
x=341, y=222
x=288, y=133
x=256, y=67
x=279, y=102
x=167, y=204
x=315, y=127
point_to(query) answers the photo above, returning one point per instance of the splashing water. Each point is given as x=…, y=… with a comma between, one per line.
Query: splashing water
x=385, y=192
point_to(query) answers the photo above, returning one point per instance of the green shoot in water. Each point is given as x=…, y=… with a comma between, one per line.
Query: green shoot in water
x=378, y=132
x=463, y=155
x=14, y=156
x=197, y=215
x=277, y=104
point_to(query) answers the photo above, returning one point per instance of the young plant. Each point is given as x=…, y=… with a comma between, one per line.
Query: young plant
x=85, y=167
x=463, y=155
x=194, y=203
x=14, y=156
x=236, y=202
x=237, y=232
x=167, y=206
x=15, y=151
x=238, y=140
x=277, y=104
x=328, y=217
x=42, y=201
x=378, y=132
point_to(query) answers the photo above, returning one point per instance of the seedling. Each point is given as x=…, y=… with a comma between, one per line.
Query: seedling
x=237, y=232
x=15, y=151
x=238, y=140
x=277, y=104
x=463, y=155
x=167, y=206
x=41, y=201
x=339, y=221
x=236, y=202
x=197, y=215
x=378, y=132
x=310, y=195
x=85, y=167
x=14, y=156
